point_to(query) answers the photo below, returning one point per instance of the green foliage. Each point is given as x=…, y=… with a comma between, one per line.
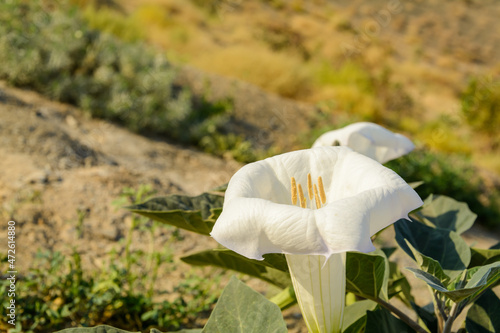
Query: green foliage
x=354, y=320
x=241, y=309
x=196, y=214
x=58, y=293
x=483, y=315
x=446, y=213
x=453, y=176
x=444, y=246
x=55, y=52
x=272, y=269
x=382, y=320
x=366, y=275
x=481, y=105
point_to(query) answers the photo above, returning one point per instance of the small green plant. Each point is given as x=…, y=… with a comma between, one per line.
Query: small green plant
x=57, y=292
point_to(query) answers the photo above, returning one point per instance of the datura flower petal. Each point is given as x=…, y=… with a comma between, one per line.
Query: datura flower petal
x=369, y=139
x=362, y=197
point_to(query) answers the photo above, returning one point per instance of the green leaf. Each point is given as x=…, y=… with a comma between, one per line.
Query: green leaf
x=243, y=310
x=483, y=316
x=481, y=257
x=482, y=279
x=366, y=274
x=382, y=320
x=96, y=329
x=447, y=213
x=429, y=265
x=196, y=214
x=427, y=315
x=355, y=316
x=195, y=330
x=272, y=269
x=444, y=246
x=430, y=279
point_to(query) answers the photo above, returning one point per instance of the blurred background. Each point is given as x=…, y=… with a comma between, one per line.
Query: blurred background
x=105, y=103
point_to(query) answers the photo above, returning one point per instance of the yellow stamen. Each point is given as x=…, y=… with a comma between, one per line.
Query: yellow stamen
x=316, y=197
x=294, y=192
x=321, y=190
x=309, y=186
x=302, y=197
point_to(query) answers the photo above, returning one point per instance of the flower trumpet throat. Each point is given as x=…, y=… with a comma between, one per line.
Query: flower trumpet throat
x=319, y=282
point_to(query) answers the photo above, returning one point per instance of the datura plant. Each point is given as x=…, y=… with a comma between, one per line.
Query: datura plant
x=266, y=210
x=304, y=222
x=369, y=139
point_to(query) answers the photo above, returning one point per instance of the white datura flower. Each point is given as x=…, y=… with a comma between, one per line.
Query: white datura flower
x=350, y=198
x=369, y=139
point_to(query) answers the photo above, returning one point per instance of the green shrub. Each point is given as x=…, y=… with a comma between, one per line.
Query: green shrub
x=481, y=105
x=450, y=175
x=56, y=53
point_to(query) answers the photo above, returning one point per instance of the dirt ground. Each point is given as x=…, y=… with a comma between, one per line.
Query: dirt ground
x=56, y=163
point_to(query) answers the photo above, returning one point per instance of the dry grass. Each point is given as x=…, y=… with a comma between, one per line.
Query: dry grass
x=283, y=45
x=274, y=72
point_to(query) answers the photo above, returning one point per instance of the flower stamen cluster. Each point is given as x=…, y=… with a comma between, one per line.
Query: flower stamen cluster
x=314, y=191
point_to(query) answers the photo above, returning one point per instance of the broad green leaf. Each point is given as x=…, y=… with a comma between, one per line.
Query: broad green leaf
x=196, y=214
x=194, y=330
x=481, y=257
x=429, y=265
x=96, y=329
x=483, y=316
x=482, y=279
x=241, y=309
x=272, y=269
x=430, y=279
x=366, y=274
x=382, y=320
x=355, y=316
x=427, y=315
x=446, y=213
x=444, y=246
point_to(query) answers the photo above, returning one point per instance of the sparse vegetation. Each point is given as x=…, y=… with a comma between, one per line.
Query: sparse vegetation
x=57, y=292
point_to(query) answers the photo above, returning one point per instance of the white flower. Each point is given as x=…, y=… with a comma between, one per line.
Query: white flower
x=369, y=139
x=265, y=211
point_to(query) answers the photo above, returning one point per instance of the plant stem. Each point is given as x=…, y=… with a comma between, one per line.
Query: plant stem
x=451, y=318
x=413, y=324
x=438, y=310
